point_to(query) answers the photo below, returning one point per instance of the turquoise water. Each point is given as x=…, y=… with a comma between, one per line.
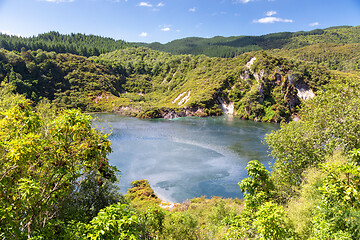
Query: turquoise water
x=186, y=157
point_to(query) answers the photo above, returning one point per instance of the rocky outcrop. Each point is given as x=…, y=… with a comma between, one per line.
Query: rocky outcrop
x=127, y=110
x=305, y=93
x=183, y=98
x=303, y=90
x=171, y=114
x=103, y=96
x=260, y=90
x=226, y=107
x=166, y=113
x=184, y=112
x=250, y=63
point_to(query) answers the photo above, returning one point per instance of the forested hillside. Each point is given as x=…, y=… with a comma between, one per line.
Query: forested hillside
x=236, y=45
x=343, y=57
x=65, y=79
x=80, y=44
x=147, y=83
x=91, y=45
x=256, y=85
x=261, y=86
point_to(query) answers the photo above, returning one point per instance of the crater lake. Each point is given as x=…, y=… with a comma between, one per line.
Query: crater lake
x=188, y=157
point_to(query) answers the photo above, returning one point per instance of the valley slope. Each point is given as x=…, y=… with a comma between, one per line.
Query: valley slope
x=262, y=85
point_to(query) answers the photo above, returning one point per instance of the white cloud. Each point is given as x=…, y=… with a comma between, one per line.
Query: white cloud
x=272, y=20
x=165, y=29
x=160, y=4
x=314, y=24
x=192, y=9
x=243, y=1
x=57, y=1
x=271, y=13
x=144, y=4
x=143, y=34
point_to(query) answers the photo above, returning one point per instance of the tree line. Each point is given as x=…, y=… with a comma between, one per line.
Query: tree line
x=79, y=44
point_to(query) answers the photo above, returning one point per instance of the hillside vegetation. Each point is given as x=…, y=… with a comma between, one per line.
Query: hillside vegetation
x=80, y=44
x=334, y=56
x=56, y=182
x=147, y=83
x=236, y=45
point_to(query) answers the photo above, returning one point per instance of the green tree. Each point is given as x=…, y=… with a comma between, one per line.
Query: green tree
x=7, y=98
x=39, y=163
x=328, y=122
x=261, y=218
x=117, y=221
x=180, y=225
x=258, y=187
x=272, y=222
x=337, y=216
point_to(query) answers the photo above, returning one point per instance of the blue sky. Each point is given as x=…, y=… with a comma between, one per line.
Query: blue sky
x=167, y=20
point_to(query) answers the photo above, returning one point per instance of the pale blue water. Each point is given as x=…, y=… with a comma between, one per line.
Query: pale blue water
x=186, y=157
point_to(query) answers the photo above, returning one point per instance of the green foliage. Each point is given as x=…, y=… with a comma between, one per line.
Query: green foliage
x=338, y=215
x=117, y=221
x=68, y=80
x=328, y=122
x=181, y=225
x=262, y=91
x=152, y=221
x=301, y=208
x=54, y=176
x=328, y=206
x=57, y=229
x=80, y=44
x=144, y=82
x=199, y=218
x=142, y=195
x=258, y=187
x=333, y=56
x=210, y=215
x=7, y=98
x=88, y=197
x=261, y=218
x=272, y=222
x=40, y=161
x=237, y=45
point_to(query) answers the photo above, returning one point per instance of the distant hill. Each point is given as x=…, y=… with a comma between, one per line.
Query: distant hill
x=343, y=57
x=236, y=45
x=265, y=85
x=80, y=44
x=91, y=45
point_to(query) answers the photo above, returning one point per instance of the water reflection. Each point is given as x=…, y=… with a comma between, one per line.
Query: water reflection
x=187, y=157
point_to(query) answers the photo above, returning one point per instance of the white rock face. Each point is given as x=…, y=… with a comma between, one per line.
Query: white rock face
x=178, y=97
x=185, y=99
x=259, y=76
x=226, y=108
x=305, y=93
x=250, y=63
